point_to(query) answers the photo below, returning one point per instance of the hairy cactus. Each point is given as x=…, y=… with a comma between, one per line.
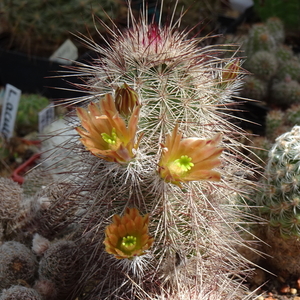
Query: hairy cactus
x=155, y=170
x=17, y=263
x=18, y=292
x=290, y=69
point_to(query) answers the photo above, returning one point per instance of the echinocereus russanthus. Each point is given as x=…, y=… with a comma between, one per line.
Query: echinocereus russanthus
x=155, y=140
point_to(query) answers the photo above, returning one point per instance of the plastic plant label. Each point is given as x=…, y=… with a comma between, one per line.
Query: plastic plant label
x=65, y=54
x=46, y=117
x=9, y=110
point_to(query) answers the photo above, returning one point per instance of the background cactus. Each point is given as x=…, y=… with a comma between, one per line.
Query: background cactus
x=10, y=201
x=273, y=62
x=17, y=264
x=60, y=265
x=277, y=202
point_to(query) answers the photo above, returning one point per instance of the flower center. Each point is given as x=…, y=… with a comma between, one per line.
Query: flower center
x=110, y=139
x=129, y=242
x=184, y=163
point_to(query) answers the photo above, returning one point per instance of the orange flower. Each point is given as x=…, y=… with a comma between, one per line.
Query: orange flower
x=189, y=159
x=128, y=236
x=106, y=134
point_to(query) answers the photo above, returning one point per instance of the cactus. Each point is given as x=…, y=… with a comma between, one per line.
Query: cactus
x=263, y=64
x=286, y=92
x=27, y=115
x=155, y=182
x=273, y=63
x=278, y=204
x=284, y=54
x=254, y=88
x=18, y=292
x=61, y=267
x=259, y=39
x=17, y=263
x=276, y=29
x=290, y=69
x=10, y=206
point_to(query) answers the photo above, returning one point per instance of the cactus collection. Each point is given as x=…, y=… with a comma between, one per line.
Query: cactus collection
x=275, y=68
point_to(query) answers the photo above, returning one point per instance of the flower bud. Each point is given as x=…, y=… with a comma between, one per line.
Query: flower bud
x=126, y=99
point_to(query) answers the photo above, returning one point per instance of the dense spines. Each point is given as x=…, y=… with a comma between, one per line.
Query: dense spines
x=184, y=93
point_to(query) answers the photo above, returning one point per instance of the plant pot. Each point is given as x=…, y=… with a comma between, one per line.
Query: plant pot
x=17, y=175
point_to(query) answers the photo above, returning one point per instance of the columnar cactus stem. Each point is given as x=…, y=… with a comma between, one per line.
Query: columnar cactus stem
x=171, y=154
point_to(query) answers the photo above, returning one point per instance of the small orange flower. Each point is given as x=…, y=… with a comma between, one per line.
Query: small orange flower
x=189, y=159
x=106, y=134
x=128, y=236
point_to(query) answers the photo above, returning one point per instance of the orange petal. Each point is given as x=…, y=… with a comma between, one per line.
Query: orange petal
x=122, y=230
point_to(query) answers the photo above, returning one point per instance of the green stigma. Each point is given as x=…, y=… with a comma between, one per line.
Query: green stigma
x=129, y=242
x=184, y=163
x=112, y=139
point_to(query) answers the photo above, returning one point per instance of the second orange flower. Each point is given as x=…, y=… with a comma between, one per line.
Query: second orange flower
x=189, y=159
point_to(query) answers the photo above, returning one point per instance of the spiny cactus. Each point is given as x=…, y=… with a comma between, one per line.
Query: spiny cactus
x=18, y=292
x=155, y=169
x=17, y=263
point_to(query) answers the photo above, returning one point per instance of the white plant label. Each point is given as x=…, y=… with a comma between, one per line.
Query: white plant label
x=9, y=110
x=65, y=54
x=46, y=117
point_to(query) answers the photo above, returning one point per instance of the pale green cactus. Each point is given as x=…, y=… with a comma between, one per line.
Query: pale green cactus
x=278, y=204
